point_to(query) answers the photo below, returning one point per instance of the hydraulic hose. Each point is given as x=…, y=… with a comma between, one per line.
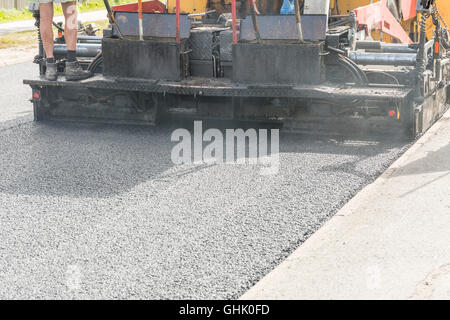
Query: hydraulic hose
x=350, y=66
x=97, y=62
x=358, y=69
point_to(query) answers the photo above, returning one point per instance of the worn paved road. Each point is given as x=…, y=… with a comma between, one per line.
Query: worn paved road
x=14, y=96
x=94, y=211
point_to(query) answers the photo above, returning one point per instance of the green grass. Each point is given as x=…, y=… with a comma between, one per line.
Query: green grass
x=29, y=39
x=9, y=15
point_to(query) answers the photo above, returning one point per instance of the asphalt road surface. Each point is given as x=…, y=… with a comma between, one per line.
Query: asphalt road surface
x=96, y=211
x=15, y=106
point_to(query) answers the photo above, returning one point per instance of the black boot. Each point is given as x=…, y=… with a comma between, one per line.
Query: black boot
x=51, y=71
x=75, y=72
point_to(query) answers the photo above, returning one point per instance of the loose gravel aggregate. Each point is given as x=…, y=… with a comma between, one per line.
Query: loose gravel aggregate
x=96, y=211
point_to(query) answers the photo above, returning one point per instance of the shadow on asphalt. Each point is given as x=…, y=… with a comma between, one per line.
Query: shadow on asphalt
x=434, y=161
x=79, y=160
x=92, y=160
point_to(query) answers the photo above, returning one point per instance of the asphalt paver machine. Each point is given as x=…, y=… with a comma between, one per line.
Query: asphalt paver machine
x=313, y=69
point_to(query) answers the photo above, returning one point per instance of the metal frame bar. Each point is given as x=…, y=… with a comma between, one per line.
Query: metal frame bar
x=387, y=93
x=141, y=29
x=178, y=21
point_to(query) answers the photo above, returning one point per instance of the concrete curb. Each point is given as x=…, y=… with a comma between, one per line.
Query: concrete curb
x=389, y=242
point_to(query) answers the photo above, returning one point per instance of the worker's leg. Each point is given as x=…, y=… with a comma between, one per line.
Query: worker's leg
x=46, y=13
x=46, y=28
x=73, y=68
x=71, y=25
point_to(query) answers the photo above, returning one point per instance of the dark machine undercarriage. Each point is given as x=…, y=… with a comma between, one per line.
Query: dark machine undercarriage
x=331, y=82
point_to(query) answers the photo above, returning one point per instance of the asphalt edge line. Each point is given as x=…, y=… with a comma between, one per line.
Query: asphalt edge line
x=351, y=206
x=15, y=123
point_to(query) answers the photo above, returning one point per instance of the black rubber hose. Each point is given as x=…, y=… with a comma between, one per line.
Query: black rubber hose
x=336, y=50
x=58, y=27
x=350, y=68
x=98, y=61
x=350, y=65
x=360, y=71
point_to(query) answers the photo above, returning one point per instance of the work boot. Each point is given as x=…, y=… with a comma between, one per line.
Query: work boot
x=75, y=72
x=51, y=71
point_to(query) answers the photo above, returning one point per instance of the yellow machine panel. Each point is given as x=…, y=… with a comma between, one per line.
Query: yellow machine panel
x=345, y=6
x=337, y=7
x=444, y=9
x=188, y=6
x=198, y=6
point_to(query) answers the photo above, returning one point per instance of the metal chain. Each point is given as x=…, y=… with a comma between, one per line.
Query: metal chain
x=444, y=32
x=435, y=11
